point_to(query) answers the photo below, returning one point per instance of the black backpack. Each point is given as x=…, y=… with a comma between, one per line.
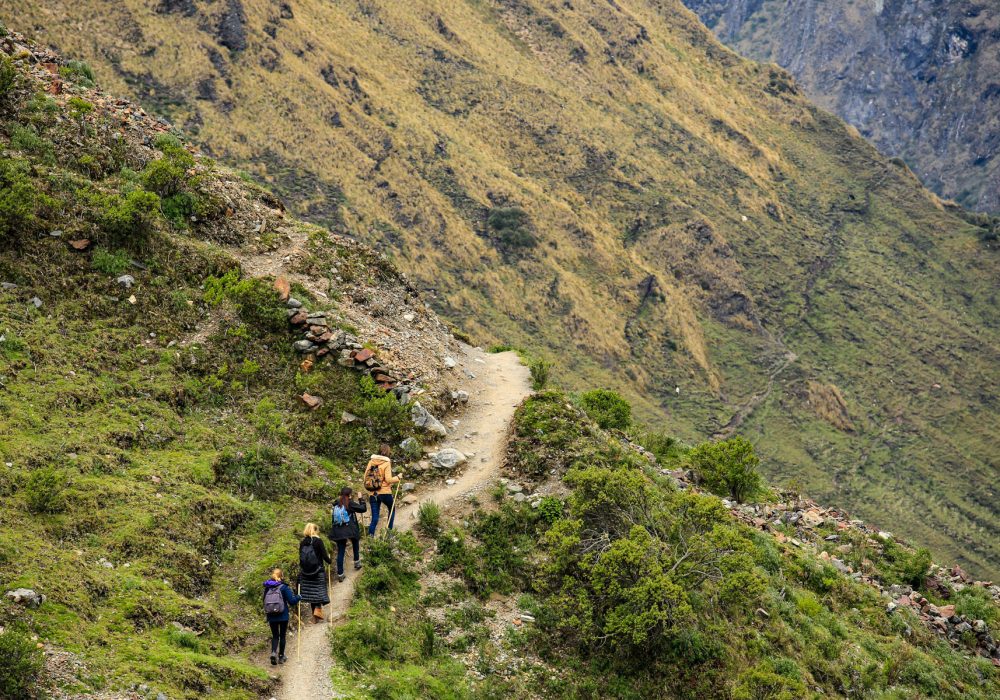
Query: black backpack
x=308, y=559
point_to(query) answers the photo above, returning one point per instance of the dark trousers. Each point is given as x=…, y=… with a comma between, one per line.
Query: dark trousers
x=376, y=502
x=278, y=632
x=342, y=550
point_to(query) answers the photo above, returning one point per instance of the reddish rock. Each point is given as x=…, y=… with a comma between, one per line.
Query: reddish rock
x=946, y=610
x=322, y=351
x=80, y=244
x=363, y=355
x=311, y=402
x=283, y=287
x=298, y=319
x=324, y=337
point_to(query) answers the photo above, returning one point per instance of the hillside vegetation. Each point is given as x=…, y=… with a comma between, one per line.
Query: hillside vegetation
x=604, y=184
x=611, y=581
x=155, y=463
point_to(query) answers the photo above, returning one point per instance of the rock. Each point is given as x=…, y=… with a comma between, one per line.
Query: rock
x=363, y=355
x=410, y=446
x=884, y=536
x=126, y=281
x=304, y=346
x=80, y=244
x=26, y=597
x=408, y=317
x=283, y=288
x=448, y=458
x=519, y=497
x=161, y=696
x=423, y=419
x=309, y=401
x=450, y=362
x=525, y=617
x=298, y=318
x=946, y=610
x=8, y=286
x=36, y=302
x=451, y=482
x=293, y=303
x=347, y=417
x=409, y=486
x=306, y=365
x=102, y=562
x=514, y=487
x=979, y=626
x=461, y=396
x=409, y=499
x=962, y=628
x=811, y=518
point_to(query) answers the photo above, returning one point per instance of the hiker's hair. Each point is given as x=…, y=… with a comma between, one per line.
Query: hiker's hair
x=385, y=449
x=345, y=495
x=311, y=530
x=276, y=574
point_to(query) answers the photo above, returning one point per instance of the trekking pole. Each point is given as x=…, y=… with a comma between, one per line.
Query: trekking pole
x=298, y=630
x=329, y=594
x=392, y=510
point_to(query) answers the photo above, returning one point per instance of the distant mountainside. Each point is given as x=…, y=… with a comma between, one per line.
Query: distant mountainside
x=607, y=185
x=919, y=78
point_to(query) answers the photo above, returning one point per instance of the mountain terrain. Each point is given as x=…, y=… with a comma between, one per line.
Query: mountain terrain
x=605, y=184
x=189, y=374
x=916, y=78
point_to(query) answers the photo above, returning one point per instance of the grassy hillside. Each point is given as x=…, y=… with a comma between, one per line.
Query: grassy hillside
x=154, y=460
x=608, y=581
x=605, y=184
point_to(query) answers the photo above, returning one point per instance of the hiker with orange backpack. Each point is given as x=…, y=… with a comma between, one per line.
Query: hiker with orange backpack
x=345, y=527
x=277, y=599
x=379, y=481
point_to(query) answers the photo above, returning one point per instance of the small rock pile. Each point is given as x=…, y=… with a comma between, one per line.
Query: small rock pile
x=806, y=517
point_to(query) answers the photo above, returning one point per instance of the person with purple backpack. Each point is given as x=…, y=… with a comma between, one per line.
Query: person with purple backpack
x=278, y=597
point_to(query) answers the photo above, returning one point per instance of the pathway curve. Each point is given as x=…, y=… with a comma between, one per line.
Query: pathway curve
x=500, y=383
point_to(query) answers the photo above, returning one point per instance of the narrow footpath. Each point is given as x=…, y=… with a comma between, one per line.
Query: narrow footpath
x=500, y=383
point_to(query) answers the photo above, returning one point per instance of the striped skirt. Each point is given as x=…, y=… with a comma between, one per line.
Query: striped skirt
x=313, y=588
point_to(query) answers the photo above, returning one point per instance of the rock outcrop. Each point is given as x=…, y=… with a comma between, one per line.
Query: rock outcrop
x=917, y=77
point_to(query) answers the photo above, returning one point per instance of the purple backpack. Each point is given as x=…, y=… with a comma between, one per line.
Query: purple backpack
x=274, y=602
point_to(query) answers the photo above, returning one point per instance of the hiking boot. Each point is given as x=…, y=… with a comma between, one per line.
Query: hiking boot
x=274, y=659
x=357, y=565
x=282, y=659
x=318, y=614
x=340, y=578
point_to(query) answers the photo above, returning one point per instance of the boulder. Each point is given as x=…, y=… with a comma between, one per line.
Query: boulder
x=304, y=346
x=347, y=417
x=450, y=362
x=26, y=597
x=448, y=458
x=422, y=418
x=293, y=303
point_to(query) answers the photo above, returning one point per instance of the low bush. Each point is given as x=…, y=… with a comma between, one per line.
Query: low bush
x=512, y=228
x=44, y=491
x=259, y=472
x=79, y=72
x=27, y=140
x=539, y=370
x=127, y=219
x=429, y=518
x=607, y=408
x=256, y=301
x=21, y=663
x=20, y=200
x=10, y=81
x=108, y=262
x=728, y=467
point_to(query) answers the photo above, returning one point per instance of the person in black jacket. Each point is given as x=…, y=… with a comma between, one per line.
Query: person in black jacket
x=345, y=527
x=312, y=576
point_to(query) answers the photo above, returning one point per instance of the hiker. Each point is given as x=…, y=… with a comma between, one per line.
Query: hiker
x=345, y=527
x=312, y=576
x=277, y=599
x=379, y=482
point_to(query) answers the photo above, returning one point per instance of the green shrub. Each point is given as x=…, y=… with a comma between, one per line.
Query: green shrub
x=44, y=491
x=127, y=219
x=512, y=228
x=539, y=370
x=550, y=509
x=977, y=604
x=21, y=662
x=167, y=175
x=906, y=566
x=728, y=467
x=499, y=347
x=607, y=408
x=10, y=81
x=256, y=301
x=259, y=472
x=27, y=140
x=110, y=263
x=79, y=108
x=665, y=448
x=179, y=208
x=20, y=200
x=429, y=518
x=79, y=72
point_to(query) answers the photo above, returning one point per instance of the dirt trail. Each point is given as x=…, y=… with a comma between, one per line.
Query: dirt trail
x=500, y=383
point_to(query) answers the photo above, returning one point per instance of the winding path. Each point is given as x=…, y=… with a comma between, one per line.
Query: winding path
x=500, y=383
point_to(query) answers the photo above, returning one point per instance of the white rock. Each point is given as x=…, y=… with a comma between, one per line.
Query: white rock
x=450, y=362
x=409, y=317
x=448, y=458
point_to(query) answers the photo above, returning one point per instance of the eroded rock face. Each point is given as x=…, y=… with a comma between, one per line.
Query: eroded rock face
x=917, y=77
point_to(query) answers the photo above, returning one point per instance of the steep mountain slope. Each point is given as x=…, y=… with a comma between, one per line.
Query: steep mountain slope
x=917, y=78
x=606, y=184
x=157, y=451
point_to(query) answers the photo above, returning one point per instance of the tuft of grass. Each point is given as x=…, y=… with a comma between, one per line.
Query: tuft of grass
x=429, y=519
